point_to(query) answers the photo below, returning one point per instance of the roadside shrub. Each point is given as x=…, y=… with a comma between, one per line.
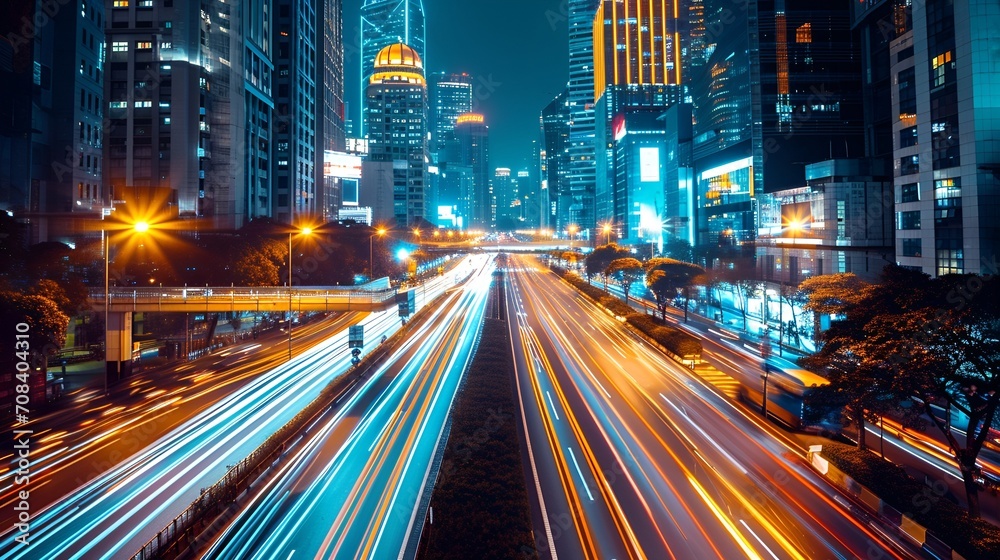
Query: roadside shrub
x=972, y=538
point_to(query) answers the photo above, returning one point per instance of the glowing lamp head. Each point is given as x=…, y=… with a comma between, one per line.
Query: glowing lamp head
x=402, y=254
x=141, y=227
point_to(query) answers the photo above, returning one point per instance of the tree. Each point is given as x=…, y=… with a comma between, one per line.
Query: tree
x=677, y=275
x=940, y=341
x=47, y=324
x=742, y=279
x=627, y=271
x=598, y=260
x=949, y=353
x=55, y=293
x=254, y=268
x=832, y=294
x=679, y=249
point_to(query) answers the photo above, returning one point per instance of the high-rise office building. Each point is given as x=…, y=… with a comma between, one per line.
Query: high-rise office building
x=472, y=141
x=331, y=109
x=396, y=117
x=636, y=59
x=635, y=42
x=508, y=206
x=450, y=96
x=295, y=97
x=779, y=90
x=946, y=158
x=580, y=101
x=189, y=105
x=555, y=119
x=383, y=23
x=256, y=199
x=51, y=109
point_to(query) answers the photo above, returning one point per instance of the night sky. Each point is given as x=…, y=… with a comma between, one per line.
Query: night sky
x=515, y=48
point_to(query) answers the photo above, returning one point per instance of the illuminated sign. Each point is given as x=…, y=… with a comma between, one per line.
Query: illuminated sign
x=618, y=126
x=339, y=164
x=475, y=118
x=649, y=165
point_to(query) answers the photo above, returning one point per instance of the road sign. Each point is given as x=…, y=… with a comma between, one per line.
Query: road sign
x=356, y=336
x=407, y=302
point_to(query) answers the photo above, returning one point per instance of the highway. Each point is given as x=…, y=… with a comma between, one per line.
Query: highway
x=353, y=487
x=90, y=433
x=632, y=456
x=122, y=507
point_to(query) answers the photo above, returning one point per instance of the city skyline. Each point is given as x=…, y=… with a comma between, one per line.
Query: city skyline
x=514, y=50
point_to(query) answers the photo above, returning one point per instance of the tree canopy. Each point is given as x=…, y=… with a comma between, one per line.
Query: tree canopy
x=912, y=342
x=627, y=271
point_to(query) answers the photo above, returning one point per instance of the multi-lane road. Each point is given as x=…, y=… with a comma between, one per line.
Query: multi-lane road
x=119, y=510
x=353, y=487
x=632, y=456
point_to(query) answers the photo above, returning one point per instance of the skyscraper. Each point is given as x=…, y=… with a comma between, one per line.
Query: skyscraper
x=472, y=139
x=386, y=22
x=397, y=125
x=331, y=110
x=779, y=90
x=51, y=108
x=580, y=100
x=636, y=52
x=295, y=188
x=946, y=156
x=450, y=96
x=555, y=135
x=253, y=197
x=505, y=193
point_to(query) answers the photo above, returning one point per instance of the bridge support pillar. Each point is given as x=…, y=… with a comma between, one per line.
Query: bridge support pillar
x=118, y=345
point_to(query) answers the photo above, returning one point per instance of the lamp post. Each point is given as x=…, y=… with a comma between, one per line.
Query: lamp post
x=371, y=253
x=572, y=232
x=767, y=373
x=140, y=227
x=607, y=232
x=303, y=231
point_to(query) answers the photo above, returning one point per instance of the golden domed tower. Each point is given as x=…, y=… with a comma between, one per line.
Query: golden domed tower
x=396, y=121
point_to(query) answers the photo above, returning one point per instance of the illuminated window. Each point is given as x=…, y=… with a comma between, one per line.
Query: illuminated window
x=120, y=4
x=804, y=34
x=938, y=64
x=119, y=46
x=119, y=104
x=139, y=45
x=143, y=104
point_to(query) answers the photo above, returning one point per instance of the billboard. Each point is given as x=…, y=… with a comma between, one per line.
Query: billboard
x=649, y=165
x=341, y=165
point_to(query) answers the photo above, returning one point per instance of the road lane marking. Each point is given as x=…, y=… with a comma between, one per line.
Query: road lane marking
x=552, y=404
x=767, y=548
x=579, y=472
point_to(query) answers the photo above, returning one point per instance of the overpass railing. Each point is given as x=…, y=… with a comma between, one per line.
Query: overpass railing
x=143, y=296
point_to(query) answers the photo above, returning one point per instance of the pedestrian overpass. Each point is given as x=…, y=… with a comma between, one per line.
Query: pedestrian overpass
x=121, y=303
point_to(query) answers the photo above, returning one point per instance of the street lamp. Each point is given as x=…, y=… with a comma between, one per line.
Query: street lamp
x=607, y=232
x=572, y=232
x=140, y=227
x=371, y=254
x=304, y=231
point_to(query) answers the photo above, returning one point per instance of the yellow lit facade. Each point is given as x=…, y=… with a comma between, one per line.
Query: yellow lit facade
x=636, y=42
x=398, y=63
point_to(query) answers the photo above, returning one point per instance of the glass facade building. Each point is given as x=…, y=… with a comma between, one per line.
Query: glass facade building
x=555, y=136
x=383, y=23
x=397, y=127
x=580, y=101
x=472, y=137
x=769, y=101
x=295, y=96
x=945, y=107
